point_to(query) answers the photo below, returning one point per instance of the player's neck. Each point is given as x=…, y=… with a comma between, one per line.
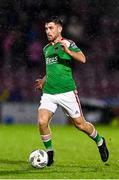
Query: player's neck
x=58, y=39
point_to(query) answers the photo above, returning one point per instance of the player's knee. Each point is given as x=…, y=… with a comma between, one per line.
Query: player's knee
x=42, y=122
x=80, y=124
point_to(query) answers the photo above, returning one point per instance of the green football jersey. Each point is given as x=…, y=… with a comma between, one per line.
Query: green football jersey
x=59, y=77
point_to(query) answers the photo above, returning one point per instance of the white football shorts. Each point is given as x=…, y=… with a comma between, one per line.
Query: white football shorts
x=69, y=101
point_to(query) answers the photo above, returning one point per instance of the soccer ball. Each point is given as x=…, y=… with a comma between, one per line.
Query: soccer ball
x=38, y=158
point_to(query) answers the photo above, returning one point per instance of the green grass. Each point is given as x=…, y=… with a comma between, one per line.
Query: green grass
x=76, y=155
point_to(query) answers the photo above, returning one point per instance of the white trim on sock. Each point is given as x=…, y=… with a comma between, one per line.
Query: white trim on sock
x=94, y=133
x=50, y=149
x=46, y=137
x=46, y=140
x=100, y=142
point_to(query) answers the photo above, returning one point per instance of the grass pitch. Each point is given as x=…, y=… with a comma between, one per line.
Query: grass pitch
x=76, y=155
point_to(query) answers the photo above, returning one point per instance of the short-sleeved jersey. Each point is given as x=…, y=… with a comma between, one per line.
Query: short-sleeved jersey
x=59, y=77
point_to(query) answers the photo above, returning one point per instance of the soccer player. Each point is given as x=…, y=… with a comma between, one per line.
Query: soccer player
x=59, y=88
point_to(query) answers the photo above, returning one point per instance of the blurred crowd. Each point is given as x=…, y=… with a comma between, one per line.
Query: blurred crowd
x=93, y=25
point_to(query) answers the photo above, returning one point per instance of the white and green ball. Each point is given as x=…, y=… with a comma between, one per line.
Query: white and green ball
x=38, y=158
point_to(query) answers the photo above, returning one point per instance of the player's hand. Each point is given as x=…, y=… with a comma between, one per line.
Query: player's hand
x=65, y=47
x=39, y=84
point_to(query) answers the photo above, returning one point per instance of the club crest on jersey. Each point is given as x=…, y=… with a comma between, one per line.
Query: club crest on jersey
x=56, y=49
x=51, y=60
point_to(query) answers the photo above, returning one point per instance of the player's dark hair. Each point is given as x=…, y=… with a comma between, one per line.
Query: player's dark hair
x=55, y=19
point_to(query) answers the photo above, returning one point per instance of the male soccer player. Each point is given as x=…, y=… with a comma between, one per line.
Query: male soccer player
x=59, y=88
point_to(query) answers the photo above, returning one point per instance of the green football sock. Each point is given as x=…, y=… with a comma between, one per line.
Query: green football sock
x=97, y=138
x=47, y=142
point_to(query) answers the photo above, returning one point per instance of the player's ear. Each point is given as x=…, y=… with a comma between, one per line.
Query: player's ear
x=59, y=29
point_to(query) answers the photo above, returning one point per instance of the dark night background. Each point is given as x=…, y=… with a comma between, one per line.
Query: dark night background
x=93, y=25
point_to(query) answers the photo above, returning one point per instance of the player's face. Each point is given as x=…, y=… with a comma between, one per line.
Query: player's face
x=53, y=31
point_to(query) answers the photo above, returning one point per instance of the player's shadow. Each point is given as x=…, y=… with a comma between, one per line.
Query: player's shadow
x=82, y=168
x=22, y=168
x=6, y=161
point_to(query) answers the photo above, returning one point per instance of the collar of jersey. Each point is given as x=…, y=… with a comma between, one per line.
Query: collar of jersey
x=53, y=44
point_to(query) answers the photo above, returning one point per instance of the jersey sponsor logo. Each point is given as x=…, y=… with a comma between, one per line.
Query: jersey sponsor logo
x=51, y=60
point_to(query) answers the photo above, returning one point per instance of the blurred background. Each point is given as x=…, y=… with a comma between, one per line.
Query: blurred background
x=93, y=25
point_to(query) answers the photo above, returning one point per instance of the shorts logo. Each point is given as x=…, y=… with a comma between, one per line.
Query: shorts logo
x=76, y=112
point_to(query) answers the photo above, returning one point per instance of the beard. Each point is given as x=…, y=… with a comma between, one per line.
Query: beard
x=52, y=38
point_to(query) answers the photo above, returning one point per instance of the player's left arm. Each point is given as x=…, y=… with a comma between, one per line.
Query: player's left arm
x=79, y=56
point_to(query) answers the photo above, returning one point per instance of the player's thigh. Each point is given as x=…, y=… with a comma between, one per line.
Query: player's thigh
x=48, y=102
x=47, y=108
x=44, y=116
x=71, y=104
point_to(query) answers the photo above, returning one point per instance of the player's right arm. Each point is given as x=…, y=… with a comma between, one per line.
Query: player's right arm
x=39, y=83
